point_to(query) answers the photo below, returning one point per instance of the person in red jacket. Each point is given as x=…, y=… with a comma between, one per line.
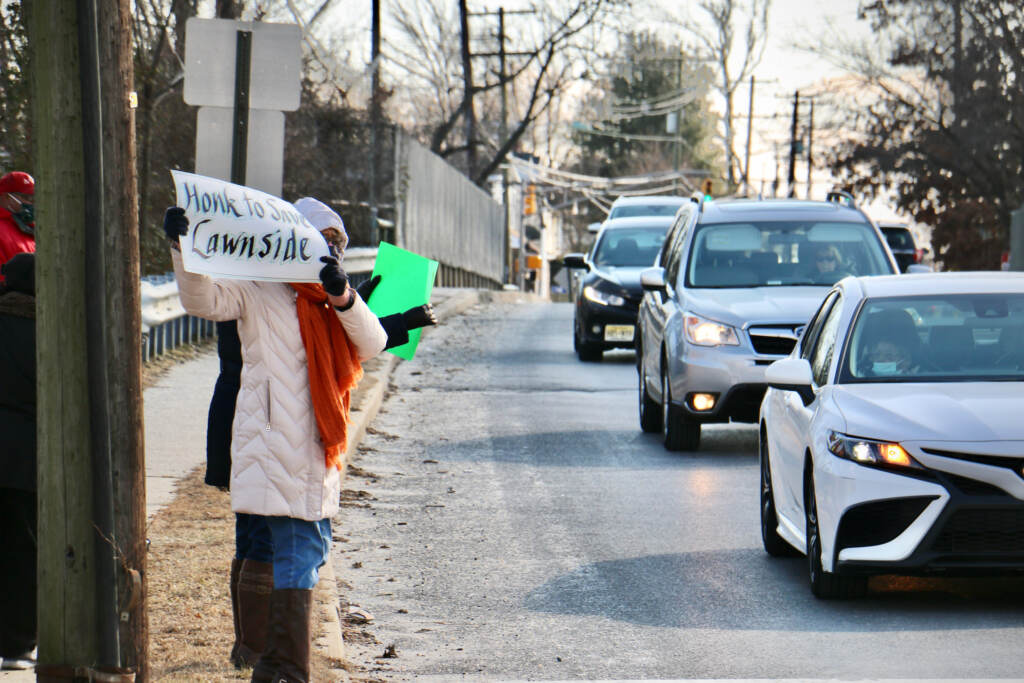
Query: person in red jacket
x=17, y=215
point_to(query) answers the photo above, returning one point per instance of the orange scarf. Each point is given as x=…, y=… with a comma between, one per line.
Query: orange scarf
x=334, y=368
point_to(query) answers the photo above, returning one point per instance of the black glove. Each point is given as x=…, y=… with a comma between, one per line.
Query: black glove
x=420, y=316
x=366, y=288
x=334, y=278
x=175, y=223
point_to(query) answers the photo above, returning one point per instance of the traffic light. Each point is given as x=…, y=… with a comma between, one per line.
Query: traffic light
x=706, y=187
x=530, y=200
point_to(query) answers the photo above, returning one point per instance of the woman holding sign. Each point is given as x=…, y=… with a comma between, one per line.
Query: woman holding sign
x=252, y=569
x=302, y=345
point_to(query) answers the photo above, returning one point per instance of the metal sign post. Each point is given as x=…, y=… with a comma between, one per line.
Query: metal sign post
x=242, y=75
x=240, y=123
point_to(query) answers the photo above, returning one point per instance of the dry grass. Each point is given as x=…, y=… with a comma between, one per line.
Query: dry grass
x=191, y=545
x=189, y=559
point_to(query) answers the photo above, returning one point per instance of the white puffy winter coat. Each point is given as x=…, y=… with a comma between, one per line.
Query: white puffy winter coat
x=277, y=458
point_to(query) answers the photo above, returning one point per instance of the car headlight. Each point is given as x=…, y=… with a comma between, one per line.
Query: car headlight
x=704, y=332
x=870, y=452
x=594, y=294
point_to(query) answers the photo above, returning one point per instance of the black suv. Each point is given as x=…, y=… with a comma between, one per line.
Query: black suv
x=901, y=243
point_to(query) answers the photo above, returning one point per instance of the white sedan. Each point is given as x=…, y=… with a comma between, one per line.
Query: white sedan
x=892, y=438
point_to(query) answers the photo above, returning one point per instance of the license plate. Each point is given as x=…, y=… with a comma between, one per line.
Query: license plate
x=618, y=333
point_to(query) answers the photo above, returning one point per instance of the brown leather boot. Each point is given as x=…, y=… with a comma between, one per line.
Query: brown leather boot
x=236, y=568
x=255, y=585
x=289, y=637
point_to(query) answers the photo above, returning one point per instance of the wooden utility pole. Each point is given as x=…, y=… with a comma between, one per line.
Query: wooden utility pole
x=502, y=54
x=121, y=359
x=750, y=132
x=375, y=113
x=791, y=190
x=91, y=473
x=810, y=143
x=469, y=91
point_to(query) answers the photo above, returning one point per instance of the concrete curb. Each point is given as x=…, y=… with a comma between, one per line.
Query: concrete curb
x=367, y=402
x=373, y=388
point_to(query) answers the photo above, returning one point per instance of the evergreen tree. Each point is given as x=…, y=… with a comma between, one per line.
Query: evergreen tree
x=15, y=92
x=645, y=74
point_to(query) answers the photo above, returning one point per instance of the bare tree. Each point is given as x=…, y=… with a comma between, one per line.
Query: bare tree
x=730, y=35
x=544, y=46
x=939, y=130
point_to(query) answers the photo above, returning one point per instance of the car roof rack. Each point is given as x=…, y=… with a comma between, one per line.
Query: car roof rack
x=698, y=198
x=841, y=197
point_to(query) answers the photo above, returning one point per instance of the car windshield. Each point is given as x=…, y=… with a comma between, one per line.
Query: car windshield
x=632, y=210
x=948, y=338
x=629, y=246
x=898, y=238
x=783, y=253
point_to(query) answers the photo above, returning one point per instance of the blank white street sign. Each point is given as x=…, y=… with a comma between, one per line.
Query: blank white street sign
x=210, y=45
x=264, y=151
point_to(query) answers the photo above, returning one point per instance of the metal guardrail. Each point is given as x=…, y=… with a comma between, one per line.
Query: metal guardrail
x=166, y=325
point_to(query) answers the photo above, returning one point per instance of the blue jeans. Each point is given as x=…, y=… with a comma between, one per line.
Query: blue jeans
x=297, y=548
x=300, y=549
x=252, y=538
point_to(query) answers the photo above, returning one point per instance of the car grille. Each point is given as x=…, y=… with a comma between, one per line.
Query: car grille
x=1010, y=462
x=879, y=522
x=777, y=340
x=973, y=487
x=982, y=531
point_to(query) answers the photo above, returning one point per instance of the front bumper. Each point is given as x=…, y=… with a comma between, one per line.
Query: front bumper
x=932, y=522
x=592, y=322
x=733, y=374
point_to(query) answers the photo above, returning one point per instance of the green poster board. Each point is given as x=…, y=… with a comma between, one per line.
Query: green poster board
x=406, y=281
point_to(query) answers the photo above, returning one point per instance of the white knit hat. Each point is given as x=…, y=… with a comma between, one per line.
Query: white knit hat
x=322, y=217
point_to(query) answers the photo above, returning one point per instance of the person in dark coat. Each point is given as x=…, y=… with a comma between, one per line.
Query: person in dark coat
x=18, y=462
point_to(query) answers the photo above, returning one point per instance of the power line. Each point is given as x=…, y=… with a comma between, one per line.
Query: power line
x=590, y=130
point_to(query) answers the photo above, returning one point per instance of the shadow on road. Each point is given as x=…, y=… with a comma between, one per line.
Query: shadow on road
x=744, y=589
x=721, y=447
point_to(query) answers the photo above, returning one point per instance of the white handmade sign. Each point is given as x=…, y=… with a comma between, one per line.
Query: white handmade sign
x=238, y=232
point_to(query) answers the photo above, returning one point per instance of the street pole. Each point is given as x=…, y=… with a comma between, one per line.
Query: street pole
x=89, y=422
x=502, y=54
x=123, y=323
x=506, y=197
x=775, y=182
x=374, y=120
x=501, y=67
x=66, y=550
x=791, y=192
x=504, y=136
x=810, y=143
x=467, y=79
x=750, y=126
x=240, y=115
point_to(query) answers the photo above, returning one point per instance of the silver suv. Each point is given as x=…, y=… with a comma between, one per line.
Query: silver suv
x=734, y=285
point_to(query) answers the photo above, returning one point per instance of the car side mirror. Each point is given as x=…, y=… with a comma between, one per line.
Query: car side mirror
x=791, y=374
x=918, y=268
x=653, y=279
x=575, y=261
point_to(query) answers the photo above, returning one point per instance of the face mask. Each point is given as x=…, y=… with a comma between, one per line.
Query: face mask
x=25, y=218
x=890, y=368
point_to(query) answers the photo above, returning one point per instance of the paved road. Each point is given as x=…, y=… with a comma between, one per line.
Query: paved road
x=517, y=524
